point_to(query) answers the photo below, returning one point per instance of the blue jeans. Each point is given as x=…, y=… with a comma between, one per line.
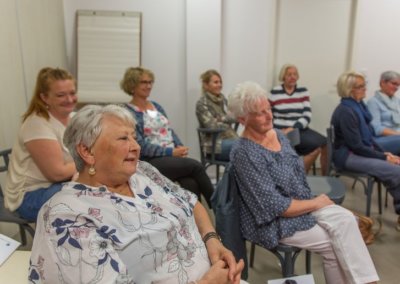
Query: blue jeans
x=226, y=147
x=389, y=143
x=34, y=200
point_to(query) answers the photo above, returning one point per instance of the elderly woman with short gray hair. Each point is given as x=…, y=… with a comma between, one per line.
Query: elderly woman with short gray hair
x=122, y=221
x=355, y=147
x=385, y=109
x=276, y=204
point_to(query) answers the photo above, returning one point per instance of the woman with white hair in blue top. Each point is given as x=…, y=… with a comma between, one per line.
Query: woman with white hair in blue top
x=385, y=109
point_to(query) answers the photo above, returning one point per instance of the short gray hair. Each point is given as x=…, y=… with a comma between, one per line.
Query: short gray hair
x=245, y=98
x=284, y=69
x=346, y=83
x=389, y=76
x=86, y=125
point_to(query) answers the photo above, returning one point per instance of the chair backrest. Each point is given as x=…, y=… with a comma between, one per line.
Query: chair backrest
x=225, y=203
x=5, y=157
x=208, y=158
x=201, y=143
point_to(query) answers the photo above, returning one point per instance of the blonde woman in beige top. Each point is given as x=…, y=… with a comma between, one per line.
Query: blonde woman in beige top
x=39, y=161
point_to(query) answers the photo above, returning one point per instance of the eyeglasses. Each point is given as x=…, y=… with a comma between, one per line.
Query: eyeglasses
x=396, y=84
x=144, y=82
x=360, y=87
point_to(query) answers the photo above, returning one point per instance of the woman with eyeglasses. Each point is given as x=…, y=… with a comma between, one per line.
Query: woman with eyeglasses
x=355, y=147
x=160, y=146
x=385, y=109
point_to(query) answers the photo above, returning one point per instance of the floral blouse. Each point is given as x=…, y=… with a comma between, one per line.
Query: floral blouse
x=157, y=129
x=91, y=235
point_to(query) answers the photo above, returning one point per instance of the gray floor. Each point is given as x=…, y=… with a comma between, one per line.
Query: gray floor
x=385, y=250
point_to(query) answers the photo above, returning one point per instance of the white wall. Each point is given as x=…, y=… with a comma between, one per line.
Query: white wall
x=163, y=47
x=181, y=39
x=31, y=37
x=246, y=42
x=377, y=39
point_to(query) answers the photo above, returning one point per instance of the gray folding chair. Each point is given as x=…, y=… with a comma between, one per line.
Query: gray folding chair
x=12, y=217
x=367, y=181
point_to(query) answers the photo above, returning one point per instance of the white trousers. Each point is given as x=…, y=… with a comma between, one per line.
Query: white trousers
x=338, y=240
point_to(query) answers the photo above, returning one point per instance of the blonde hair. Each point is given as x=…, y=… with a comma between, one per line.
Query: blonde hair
x=45, y=78
x=346, y=83
x=206, y=77
x=132, y=78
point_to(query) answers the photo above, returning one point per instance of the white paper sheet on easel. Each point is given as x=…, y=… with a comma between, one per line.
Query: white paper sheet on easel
x=7, y=247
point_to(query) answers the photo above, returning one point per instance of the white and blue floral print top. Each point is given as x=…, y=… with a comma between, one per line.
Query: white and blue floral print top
x=91, y=235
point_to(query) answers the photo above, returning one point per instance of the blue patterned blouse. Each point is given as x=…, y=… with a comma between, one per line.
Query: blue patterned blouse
x=267, y=182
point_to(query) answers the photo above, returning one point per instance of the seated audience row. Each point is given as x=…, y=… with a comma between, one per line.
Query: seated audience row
x=118, y=205
x=291, y=110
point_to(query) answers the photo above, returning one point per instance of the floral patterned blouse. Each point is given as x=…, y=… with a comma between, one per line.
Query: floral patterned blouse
x=91, y=235
x=157, y=128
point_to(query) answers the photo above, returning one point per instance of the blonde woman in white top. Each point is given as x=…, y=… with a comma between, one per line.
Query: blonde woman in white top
x=39, y=161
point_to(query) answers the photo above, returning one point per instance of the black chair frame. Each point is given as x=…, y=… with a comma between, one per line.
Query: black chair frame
x=13, y=217
x=209, y=159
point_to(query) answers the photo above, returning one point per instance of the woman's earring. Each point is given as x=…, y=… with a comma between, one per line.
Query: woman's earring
x=92, y=170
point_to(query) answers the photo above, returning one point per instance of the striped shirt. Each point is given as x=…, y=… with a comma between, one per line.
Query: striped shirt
x=290, y=110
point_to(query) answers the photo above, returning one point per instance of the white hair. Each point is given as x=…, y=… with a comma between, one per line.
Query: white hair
x=245, y=98
x=86, y=125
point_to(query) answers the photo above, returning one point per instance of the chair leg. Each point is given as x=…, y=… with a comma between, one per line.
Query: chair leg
x=368, y=192
x=354, y=184
x=23, y=235
x=308, y=262
x=386, y=198
x=252, y=252
x=288, y=265
x=379, y=197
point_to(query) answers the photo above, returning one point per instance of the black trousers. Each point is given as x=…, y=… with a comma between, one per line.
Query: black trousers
x=309, y=141
x=188, y=172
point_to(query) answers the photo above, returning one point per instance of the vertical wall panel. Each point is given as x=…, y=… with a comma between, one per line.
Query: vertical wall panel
x=12, y=96
x=31, y=36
